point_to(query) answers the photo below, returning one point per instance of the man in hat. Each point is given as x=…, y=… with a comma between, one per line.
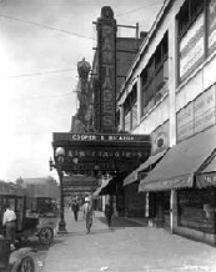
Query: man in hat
x=109, y=212
x=75, y=209
x=88, y=213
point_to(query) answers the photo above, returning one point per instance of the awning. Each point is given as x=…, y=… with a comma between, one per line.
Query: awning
x=207, y=177
x=111, y=186
x=178, y=166
x=151, y=161
x=99, y=190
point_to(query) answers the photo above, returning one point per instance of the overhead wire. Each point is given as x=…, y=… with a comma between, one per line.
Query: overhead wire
x=44, y=96
x=136, y=9
x=42, y=73
x=46, y=26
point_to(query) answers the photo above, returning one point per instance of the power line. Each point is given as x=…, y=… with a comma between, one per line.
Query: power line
x=134, y=10
x=42, y=73
x=46, y=27
x=51, y=96
x=45, y=96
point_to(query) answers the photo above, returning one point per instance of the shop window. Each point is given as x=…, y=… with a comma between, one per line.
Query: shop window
x=196, y=209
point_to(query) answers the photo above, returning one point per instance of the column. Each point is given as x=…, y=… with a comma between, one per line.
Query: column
x=172, y=80
x=122, y=118
x=173, y=210
x=172, y=84
x=139, y=99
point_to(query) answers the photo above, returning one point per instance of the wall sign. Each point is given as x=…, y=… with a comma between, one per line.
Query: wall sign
x=185, y=122
x=204, y=110
x=98, y=137
x=106, y=27
x=198, y=115
x=160, y=138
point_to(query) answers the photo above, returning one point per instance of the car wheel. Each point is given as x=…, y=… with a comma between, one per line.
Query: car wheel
x=46, y=236
x=27, y=265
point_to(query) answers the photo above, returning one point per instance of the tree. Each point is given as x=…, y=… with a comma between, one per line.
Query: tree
x=19, y=181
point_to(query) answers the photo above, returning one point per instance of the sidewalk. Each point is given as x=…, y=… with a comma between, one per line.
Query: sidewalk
x=128, y=247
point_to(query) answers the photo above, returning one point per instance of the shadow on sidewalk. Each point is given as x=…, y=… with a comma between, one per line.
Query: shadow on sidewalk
x=35, y=245
x=119, y=222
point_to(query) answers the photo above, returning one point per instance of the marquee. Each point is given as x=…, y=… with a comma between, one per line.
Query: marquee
x=98, y=151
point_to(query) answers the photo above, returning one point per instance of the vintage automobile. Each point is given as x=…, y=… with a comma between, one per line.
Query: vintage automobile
x=35, y=215
x=18, y=261
x=41, y=219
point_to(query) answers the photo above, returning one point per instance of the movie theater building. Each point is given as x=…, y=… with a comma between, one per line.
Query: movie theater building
x=170, y=93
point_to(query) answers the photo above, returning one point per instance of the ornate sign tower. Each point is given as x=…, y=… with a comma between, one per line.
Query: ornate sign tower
x=106, y=96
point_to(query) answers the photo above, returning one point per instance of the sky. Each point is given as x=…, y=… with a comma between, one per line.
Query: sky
x=41, y=42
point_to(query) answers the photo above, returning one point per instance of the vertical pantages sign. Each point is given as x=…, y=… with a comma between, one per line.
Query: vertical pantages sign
x=106, y=27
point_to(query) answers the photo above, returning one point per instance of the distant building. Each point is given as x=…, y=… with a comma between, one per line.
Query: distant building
x=41, y=187
x=40, y=193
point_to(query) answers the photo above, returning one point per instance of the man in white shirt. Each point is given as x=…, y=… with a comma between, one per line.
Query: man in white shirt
x=9, y=221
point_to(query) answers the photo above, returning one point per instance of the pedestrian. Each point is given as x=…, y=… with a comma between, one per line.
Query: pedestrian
x=9, y=221
x=88, y=214
x=108, y=212
x=75, y=209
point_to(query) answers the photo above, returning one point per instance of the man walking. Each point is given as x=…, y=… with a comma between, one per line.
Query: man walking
x=88, y=214
x=109, y=212
x=75, y=209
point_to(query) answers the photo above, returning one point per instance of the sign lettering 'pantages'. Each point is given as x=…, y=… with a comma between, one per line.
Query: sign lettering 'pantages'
x=107, y=71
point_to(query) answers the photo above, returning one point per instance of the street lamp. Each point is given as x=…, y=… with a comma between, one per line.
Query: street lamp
x=58, y=165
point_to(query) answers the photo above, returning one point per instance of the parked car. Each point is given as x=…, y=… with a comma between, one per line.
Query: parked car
x=36, y=216
x=17, y=261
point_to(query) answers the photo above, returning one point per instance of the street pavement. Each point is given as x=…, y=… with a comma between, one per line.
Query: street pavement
x=127, y=247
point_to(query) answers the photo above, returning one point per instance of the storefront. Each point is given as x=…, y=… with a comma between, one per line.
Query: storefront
x=196, y=209
x=135, y=202
x=187, y=172
x=113, y=187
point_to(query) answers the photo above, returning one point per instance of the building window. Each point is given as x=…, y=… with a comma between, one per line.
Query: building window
x=154, y=77
x=130, y=110
x=191, y=36
x=188, y=14
x=196, y=34
x=118, y=120
x=211, y=25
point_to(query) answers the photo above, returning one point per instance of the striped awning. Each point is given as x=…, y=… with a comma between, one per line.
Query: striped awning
x=207, y=177
x=181, y=163
x=146, y=166
x=99, y=190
